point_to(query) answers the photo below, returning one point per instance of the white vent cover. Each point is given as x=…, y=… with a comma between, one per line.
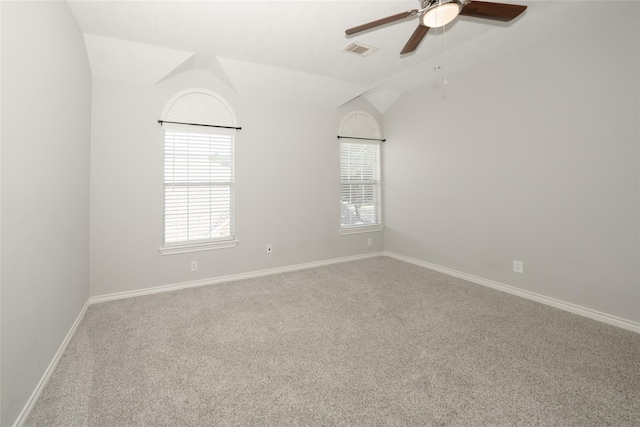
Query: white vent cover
x=359, y=49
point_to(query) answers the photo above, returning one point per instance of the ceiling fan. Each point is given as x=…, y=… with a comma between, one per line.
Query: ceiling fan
x=437, y=13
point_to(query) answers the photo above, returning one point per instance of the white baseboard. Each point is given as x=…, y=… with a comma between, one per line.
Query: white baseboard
x=572, y=308
x=230, y=278
x=24, y=414
x=566, y=306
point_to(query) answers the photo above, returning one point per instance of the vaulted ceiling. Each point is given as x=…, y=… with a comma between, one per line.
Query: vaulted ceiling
x=291, y=50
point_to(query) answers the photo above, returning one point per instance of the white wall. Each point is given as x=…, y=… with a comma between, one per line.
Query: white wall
x=46, y=89
x=287, y=187
x=533, y=157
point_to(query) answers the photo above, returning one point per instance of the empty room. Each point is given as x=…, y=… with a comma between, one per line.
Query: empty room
x=270, y=213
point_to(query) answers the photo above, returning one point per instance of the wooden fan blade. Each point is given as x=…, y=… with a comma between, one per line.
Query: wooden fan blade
x=415, y=39
x=379, y=22
x=496, y=11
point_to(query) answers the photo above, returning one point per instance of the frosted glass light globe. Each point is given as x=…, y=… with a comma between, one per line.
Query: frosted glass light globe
x=440, y=15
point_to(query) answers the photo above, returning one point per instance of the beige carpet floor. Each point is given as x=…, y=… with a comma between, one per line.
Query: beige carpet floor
x=365, y=343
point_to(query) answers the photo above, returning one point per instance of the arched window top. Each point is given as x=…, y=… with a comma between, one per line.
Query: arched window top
x=359, y=124
x=200, y=106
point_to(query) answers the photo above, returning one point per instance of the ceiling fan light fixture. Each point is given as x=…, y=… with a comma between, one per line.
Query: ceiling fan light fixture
x=441, y=13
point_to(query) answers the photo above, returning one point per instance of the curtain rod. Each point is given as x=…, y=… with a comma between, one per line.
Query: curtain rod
x=366, y=139
x=198, y=124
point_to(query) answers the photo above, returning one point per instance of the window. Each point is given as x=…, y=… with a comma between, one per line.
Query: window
x=360, y=179
x=198, y=186
x=198, y=179
x=359, y=184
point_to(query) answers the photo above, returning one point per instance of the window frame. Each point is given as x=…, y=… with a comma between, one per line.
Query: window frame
x=358, y=126
x=214, y=111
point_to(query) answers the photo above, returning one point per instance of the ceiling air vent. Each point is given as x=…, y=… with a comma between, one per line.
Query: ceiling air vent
x=359, y=49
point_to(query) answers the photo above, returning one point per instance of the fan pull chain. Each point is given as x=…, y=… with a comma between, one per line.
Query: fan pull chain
x=444, y=46
x=435, y=52
x=438, y=65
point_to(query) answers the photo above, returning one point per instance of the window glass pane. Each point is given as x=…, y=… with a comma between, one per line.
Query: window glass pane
x=360, y=202
x=198, y=179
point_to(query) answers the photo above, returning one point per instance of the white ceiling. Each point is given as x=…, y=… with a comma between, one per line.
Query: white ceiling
x=291, y=50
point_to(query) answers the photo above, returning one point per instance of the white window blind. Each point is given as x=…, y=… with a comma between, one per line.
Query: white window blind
x=360, y=200
x=198, y=187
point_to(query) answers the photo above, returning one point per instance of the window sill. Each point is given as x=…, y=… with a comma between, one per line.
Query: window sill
x=358, y=230
x=197, y=247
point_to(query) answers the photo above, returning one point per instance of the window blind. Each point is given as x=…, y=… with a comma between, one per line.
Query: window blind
x=360, y=199
x=198, y=187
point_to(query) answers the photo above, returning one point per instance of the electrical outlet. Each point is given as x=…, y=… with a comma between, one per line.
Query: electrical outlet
x=269, y=248
x=194, y=265
x=370, y=241
x=518, y=266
